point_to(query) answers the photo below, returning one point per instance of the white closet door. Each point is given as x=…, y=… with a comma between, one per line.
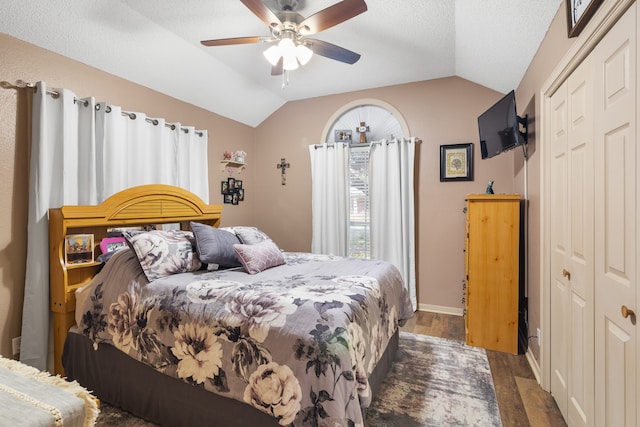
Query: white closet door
x=616, y=225
x=580, y=263
x=559, y=236
x=572, y=262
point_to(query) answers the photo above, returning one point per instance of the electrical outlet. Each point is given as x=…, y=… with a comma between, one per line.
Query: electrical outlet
x=15, y=344
x=539, y=335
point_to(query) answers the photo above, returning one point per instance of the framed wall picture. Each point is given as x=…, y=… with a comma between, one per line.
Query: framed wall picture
x=78, y=248
x=231, y=184
x=456, y=162
x=579, y=12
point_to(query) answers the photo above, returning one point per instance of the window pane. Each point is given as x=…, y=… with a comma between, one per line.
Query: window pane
x=359, y=237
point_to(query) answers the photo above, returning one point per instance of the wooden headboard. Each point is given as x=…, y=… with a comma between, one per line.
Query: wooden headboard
x=137, y=206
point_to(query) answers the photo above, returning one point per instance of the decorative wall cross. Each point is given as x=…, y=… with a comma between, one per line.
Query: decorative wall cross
x=362, y=130
x=283, y=165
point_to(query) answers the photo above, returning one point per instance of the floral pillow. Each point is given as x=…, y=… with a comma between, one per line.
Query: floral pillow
x=248, y=235
x=162, y=253
x=259, y=257
x=215, y=246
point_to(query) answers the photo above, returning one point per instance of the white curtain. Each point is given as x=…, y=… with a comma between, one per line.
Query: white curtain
x=330, y=198
x=136, y=150
x=391, y=189
x=81, y=153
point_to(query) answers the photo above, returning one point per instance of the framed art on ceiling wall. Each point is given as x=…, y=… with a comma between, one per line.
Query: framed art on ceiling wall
x=456, y=162
x=579, y=12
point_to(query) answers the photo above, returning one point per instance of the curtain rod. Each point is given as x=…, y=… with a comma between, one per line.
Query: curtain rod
x=357, y=144
x=132, y=116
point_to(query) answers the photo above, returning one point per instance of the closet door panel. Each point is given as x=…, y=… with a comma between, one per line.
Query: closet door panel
x=580, y=263
x=572, y=254
x=559, y=243
x=616, y=191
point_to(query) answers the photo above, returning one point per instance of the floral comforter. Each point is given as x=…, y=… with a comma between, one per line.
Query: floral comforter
x=296, y=341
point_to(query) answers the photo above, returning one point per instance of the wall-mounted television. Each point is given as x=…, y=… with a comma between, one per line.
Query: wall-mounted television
x=499, y=127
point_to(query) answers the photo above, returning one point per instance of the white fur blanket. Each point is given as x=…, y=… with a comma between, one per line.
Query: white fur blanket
x=29, y=397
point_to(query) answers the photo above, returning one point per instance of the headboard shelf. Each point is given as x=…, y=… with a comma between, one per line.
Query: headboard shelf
x=137, y=206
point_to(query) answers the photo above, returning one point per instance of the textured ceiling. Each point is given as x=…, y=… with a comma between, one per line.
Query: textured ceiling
x=156, y=43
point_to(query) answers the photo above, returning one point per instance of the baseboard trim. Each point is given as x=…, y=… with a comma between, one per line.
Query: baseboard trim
x=440, y=309
x=535, y=368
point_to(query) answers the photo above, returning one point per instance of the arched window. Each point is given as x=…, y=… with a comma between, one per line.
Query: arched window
x=363, y=194
x=384, y=121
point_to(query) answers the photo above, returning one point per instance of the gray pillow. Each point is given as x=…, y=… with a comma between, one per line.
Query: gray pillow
x=249, y=235
x=215, y=246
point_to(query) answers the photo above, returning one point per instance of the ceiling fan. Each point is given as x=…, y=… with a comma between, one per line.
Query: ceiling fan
x=290, y=30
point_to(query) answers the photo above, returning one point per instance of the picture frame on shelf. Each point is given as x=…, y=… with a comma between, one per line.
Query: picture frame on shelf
x=111, y=244
x=343, y=135
x=456, y=162
x=579, y=13
x=78, y=249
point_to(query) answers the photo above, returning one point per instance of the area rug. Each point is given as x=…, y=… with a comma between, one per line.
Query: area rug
x=436, y=382
x=433, y=382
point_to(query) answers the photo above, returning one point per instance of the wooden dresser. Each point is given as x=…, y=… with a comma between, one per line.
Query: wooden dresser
x=492, y=271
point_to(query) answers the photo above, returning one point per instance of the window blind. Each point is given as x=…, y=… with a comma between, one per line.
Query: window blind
x=359, y=222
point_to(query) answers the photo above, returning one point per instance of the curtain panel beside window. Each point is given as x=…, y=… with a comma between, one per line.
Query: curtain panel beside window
x=383, y=216
x=82, y=152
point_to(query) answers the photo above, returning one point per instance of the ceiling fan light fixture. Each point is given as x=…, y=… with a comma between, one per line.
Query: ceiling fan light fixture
x=303, y=54
x=287, y=47
x=289, y=28
x=290, y=62
x=272, y=54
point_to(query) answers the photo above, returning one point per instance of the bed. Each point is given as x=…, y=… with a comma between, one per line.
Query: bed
x=209, y=326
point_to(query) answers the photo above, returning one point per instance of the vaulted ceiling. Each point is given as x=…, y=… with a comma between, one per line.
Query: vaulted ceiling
x=156, y=43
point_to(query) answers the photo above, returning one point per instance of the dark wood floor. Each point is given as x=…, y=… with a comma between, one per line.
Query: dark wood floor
x=521, y=400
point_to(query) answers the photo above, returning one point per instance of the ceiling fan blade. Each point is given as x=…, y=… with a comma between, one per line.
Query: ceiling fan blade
x=333, y=15
x=263, y=12
x=332, y=51
x=230, y=41
x=276, y=70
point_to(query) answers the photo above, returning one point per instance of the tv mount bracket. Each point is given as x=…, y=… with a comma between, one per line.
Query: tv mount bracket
x=523, y=122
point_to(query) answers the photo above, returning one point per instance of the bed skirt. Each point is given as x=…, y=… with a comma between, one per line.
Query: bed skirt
x=31, y=397
x=122, y=381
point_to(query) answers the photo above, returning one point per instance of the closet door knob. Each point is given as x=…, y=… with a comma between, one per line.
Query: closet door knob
x=566, y=274
x=626, y=312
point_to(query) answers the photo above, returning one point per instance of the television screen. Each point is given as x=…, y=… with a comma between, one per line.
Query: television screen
x=498, y=127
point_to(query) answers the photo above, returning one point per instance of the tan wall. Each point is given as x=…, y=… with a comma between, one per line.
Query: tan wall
x=552, y=50
x=19, y=60
x=442, y=111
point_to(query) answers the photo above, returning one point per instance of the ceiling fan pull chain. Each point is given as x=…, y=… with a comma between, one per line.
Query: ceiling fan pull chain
x=285, y=79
